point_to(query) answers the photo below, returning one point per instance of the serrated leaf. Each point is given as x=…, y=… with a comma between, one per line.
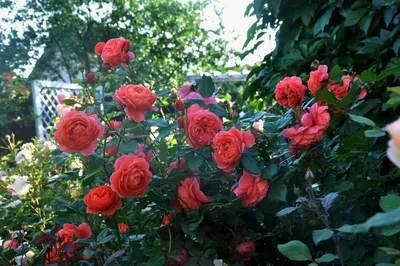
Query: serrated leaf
x=325, y=95
x=70, y=102
x=326, y=258
x=206, y=86
x=368, y=76
x=295, y=250
x=323, y=21
x=114, y=256
x=269, y=171
x=362, y=120
x=106, y=239
x=157, y=261
x=329, y=200
x=217, y=110
x=286, y=211
x=321, y=235
x=394, y=89
x=277, y=192
x=354, y=16
x=374, y=133
x=250, y=164
x=389, y=202
x=193, y=160
x=158, y=122
x=335, y=71
x=128, y=147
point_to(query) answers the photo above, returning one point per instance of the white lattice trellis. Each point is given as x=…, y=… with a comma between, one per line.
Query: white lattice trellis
x=44, y=94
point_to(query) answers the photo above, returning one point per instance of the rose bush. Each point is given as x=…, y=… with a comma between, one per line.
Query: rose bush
x=181, y=178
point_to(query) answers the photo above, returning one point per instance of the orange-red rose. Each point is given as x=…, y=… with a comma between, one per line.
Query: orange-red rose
x=71, y=232
x=131, y=177
x=312, y=128
x=114, y=52
x=317, y=77
x=78, y=132
x=189, y=194
x=289, y=92
x=102, y=199
x=246, y=250
x=123, y=228
x=229, y=146
x=252, y=189
x=137, y=100
x=202, y=126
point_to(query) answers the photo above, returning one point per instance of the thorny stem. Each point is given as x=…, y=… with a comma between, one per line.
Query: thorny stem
x=170, y=239
x=117, y=231
x=325, y=221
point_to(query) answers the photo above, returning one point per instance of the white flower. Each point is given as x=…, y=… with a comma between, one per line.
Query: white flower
x=218, y=262
x=21, y=186
x=393, y=153
x=3, y=175
x=48, y=146
x=23, y=259
x=259, y=125
x=24, y=157
x=76, y=164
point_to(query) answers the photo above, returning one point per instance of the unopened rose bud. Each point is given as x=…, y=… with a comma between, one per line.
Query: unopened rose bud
x=166, y=220
x=309, y=175
x=180, y=122
x=75, y=194
x=314, y=64
x=90, y=78
x=179, y=105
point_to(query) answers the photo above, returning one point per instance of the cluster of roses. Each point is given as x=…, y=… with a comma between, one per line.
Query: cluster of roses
x=79, y=132
x=312, y=123
x=64, y=248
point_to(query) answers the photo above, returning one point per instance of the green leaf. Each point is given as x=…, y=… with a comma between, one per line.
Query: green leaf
x=206, y=87
x=163, y=154
x=111, y=143
x=380, y=221
x=162, y=93
x=193, y=160
x=394, y=100
x=323, y=21
x=326, y=258
x=250, y=34
x=158, y=122
x=128, y=147
x=84, y=241
x=277, y=192
x=106, y=239
x=374, y=133
x=368, y=76
x=250, y=164
x=174, y=254
x=362, y=120
x=70, y=102
x=295, y=250
x=308, y=13
x=218, y=110
x=335, y=71
x=321, y=235
x=269, y=171
x=325, y=95
x=157, y=261
x=354, y=16
x=329, y=200
x=313, y=264
x=394, y=89
x=286, y=211
x=389, y=202
x=388, y=72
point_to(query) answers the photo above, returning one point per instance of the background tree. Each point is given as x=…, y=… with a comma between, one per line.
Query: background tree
x=165, y=35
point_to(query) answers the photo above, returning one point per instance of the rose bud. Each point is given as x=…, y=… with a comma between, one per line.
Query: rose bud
x=166, y=220
x=179, y=105
x=90, y=78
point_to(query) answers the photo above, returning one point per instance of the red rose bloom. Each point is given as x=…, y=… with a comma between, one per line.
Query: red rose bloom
x=137, y=100
x=317, y=77
x=252, y=189
x=78, y=132
x=229, y=146
x=102, y=199
x=289, y=92
x=189, y=194
x=114, y=52
x=202, y=126
x=131, y=177
x=246, y=250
